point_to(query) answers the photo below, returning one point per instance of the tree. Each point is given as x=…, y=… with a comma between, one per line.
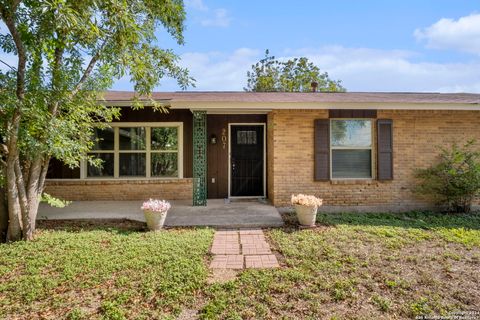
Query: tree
x=68, y=52
x=294, y=75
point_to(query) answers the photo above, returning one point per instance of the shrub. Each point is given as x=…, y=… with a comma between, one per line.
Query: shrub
x=454, y=181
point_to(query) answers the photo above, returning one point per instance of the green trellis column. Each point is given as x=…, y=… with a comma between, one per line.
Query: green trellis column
x=199, y=158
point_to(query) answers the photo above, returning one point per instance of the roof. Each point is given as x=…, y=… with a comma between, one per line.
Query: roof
x=299, y=97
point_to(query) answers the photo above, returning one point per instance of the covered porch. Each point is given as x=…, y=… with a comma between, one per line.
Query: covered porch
x=217, y=213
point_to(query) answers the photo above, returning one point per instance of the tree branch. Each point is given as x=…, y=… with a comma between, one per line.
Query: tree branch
x=13, y=68
x=58, y=62
x=9, y=20
x=88, y=70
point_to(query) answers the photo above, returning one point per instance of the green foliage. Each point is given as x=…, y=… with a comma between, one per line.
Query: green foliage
x=54, y=202
x=294, y=75
x=74, y=51
x=121, y=272
x=111, y=311
x=454, y=181
x=420, y=307
x=382, y=303
x=76, y=314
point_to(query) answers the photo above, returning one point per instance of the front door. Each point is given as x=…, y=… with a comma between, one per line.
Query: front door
x=247, y=161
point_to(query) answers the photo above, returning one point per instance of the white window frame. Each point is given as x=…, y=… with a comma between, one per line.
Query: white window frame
x=116, y=165
x=371, y=148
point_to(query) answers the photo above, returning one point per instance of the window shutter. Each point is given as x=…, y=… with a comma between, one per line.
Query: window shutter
x=385, y=149
x=322, y=149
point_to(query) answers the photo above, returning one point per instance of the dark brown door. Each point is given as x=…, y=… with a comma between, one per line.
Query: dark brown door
x=247, y=163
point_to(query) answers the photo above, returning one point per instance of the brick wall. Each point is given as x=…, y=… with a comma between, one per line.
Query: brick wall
x=172, y=189
x=416, y=133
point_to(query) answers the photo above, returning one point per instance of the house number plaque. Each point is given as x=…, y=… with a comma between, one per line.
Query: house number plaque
x=224, y=138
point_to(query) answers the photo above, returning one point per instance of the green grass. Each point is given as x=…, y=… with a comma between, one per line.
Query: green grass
x=354, y=266
x=361, y=266
x=106, y=273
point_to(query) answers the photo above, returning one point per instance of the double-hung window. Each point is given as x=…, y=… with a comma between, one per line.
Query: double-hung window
x=351, y=148
x=127, y=150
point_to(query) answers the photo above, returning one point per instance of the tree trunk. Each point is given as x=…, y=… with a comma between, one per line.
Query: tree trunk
x=14, y=232
x=38, y=173
x=23, y=200
x=3, y=215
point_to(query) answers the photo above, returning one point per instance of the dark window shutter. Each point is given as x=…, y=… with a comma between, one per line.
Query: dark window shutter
x=322, y=149
x=385, y=149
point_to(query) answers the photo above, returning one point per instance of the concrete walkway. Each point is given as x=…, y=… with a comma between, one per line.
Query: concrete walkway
x=236, y=214
x=238, y=249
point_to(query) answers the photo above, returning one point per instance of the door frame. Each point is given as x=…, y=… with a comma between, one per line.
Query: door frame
x=263, y=124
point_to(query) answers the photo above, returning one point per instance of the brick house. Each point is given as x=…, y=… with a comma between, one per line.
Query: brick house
x=357, y=151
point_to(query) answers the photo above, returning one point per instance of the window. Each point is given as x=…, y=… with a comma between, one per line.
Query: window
x=104, y=149
x=132, y=151
x=246, y=137
x=351, y=149
x=164, y=148
x=138, y=151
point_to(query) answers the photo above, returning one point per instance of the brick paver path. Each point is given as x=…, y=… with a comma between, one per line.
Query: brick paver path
x=238, y=249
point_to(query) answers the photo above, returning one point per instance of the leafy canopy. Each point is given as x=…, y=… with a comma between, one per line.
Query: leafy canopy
x=293, y=75
x=72, y=51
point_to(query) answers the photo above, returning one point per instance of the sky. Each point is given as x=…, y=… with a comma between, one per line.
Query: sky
x=371, y=45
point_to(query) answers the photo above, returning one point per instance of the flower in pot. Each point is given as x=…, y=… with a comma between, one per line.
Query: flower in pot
x=306, y=207
x=155, y=212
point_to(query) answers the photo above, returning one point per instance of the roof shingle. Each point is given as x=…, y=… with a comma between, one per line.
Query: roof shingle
x=291, y=97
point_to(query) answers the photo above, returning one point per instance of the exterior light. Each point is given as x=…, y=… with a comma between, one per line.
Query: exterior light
x=213, y=139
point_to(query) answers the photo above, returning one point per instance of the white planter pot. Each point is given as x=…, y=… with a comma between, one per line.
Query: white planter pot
x=155, y=220
x=306, y=215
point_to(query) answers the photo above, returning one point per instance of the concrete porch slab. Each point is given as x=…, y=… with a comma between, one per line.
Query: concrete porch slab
x=236, y=214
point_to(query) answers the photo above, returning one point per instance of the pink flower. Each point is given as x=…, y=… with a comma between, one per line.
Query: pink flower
x=156, y=205
x=306, y=200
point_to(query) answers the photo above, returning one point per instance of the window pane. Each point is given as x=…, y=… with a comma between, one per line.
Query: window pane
x=132, y=164
x=132, y=138
x=105, y=170
x=351, y=164
x=351, y=133
x=103, y=139
x=164, y=139
x=246, y=137
x=165, y=164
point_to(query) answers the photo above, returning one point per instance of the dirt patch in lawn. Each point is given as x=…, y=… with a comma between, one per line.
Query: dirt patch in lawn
x=222, y=275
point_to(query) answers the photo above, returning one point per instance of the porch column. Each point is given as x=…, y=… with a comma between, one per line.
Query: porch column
x=199, y=158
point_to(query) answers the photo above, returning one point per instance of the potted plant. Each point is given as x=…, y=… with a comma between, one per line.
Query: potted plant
x=155, y=212
x=306, y=207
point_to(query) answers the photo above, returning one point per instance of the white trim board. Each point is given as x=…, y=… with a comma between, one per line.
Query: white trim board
x=263, y=124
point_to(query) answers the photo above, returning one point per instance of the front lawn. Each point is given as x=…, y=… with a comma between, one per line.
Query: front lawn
x=362, y=266
x=102, y=272
x=353, y=266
